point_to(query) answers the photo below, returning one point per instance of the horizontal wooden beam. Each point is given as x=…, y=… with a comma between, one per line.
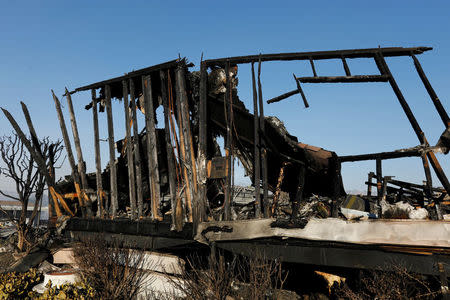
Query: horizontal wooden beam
x=344, y=79
x=337, y=54
x=133, y=74
x=381, y=155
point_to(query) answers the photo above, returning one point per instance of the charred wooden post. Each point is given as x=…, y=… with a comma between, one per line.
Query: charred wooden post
x=152, y=147
x=429, y=182
x=369, y=186
x=346, y=68
x=42, y=167
x=257, y=156
x=379, y=180
x=81, y=162
x=203, y=146
x=112, y=155
x=299, y=89
x=300, y=190
x=263, y=146
x=228, y=144
x=276, y=196
x=169, y=150
x=76, y=140
x=75, y=174
x=384, y=69
x=180, y=210
x=335, y=167
x=437, y=103
x=98, y=160
x=311, y=62
x=137, y=151
x=184, y=139
x=129, y=146
x=33, y=134
x=282, y=96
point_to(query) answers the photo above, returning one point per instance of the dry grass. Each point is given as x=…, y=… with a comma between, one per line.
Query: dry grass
x=113, y=271
x=383, y=285
x=240, y=278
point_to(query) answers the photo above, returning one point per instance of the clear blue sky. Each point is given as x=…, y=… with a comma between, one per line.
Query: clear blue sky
x=52, y=44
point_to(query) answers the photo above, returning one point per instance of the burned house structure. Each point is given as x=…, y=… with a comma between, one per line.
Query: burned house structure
x=174, y=186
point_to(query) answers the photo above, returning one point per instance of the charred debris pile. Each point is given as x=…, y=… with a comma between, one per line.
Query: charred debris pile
x=178, y=173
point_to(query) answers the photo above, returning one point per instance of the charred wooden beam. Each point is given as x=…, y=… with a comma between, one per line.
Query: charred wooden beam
x=112, y=155
x=228, y=144
x=278, y=188
x=384, y=69
x=169, y=149
x=76, y=140
x=299, y=88
x=184, y=138
x=129, y=146
x=426, y=168
x=382, y=155
x=81, y=163
x=283, y=96
x=75, y=174
x=98, y=160
x=369, y=186
x=344, y=79
x=263, y=145
x=300, y=191
x=203, y=147
x=137, y=152
x=257, y=156
x=414, y=186
x=291, y=93
x=346, y=68
x=135, y=74
x=152, y=148
x=33, y=134
x=337, y=54
x=179, y=169
x=311, y=62
x=379, y=175
x=437, y=103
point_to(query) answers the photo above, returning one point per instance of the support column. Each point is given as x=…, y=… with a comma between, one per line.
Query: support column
x=263, y=145
x=137, y=152
x=81, y=163
x=112, y=155
x=152, y=147
x=257, y=156
x=202, y=145
x=101, y=201
x=169, y=150
x=70, y=157
x=129, y=145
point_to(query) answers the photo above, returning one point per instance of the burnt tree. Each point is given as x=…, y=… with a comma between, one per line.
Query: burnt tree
x=20, y=168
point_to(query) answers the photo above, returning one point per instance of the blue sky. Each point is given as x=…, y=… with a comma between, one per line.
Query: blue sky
x=52, y=44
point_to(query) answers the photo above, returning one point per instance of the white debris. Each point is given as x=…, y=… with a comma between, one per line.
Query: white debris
x=352, y=214
x=413, y=213
x=418, y=214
